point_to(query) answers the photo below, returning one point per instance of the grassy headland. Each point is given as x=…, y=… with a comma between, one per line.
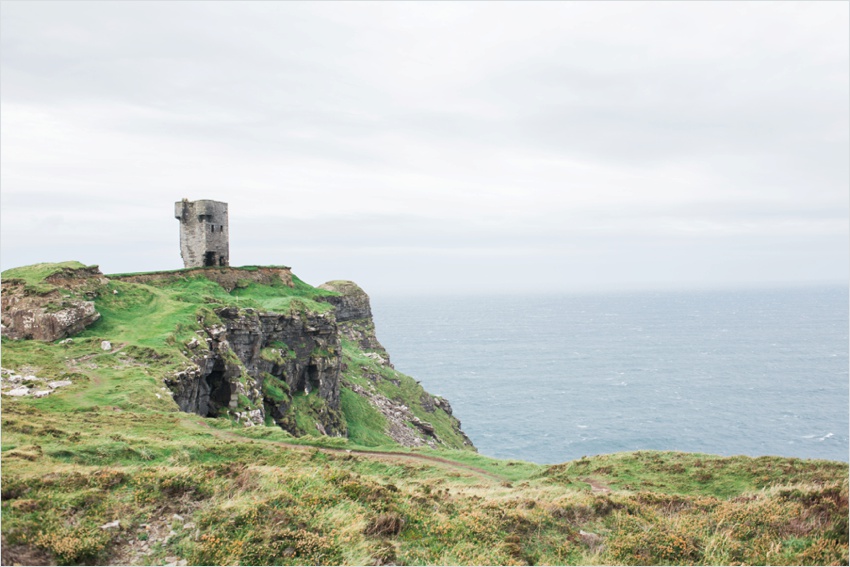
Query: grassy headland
x=108, y=470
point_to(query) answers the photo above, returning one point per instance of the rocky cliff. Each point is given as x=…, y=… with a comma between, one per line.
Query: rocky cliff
x=290, y=368
x=255, y=345
x=413, y=416
x=353, y=314
x=255, y=364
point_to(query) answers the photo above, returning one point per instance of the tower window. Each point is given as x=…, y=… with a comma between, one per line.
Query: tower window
x=212, y=228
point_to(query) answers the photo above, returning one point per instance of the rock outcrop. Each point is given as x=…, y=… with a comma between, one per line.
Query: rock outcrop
x=354, y=315
x=399, y=419
x=17, y=385
x=56, y=308
x=255, y=364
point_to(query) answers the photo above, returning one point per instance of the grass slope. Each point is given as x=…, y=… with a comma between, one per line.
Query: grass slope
x=36, y=273
x=113, y=448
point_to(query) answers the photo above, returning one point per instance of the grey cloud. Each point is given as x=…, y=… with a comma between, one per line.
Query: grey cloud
x=454, y=129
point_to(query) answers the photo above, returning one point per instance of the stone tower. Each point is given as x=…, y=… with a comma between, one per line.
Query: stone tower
x=203, y=233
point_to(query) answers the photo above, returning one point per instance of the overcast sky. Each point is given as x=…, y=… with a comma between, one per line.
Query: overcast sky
x=435, y=147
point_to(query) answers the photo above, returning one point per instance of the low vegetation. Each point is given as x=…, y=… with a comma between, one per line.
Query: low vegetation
x=107, y=470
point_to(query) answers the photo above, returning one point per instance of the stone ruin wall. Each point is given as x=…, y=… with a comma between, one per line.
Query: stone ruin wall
x=204, y=233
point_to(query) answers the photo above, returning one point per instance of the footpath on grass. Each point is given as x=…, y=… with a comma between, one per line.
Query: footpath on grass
x=400, y=456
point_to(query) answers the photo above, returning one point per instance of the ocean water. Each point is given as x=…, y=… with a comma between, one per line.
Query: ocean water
x=549, y=378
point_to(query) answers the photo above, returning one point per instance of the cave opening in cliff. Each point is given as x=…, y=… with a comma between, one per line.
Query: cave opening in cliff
x=219, y=391
x=312, y=378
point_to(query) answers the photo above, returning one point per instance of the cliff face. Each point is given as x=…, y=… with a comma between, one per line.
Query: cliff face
x=353, y=314
x=256, y=364
x=396, y=397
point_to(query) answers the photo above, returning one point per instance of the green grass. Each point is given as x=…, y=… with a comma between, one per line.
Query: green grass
x=142, y=314
x=36, y=273
x=400, y=387
x=252, y=500
x=365, y=423
x=275, y=389
x=692, y=474
x=284, y=299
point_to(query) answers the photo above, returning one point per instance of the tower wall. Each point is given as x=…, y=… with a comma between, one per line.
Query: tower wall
x=204, y=233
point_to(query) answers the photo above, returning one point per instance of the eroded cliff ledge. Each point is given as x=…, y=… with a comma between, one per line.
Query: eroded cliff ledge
x=256, y=365
x=54, y=307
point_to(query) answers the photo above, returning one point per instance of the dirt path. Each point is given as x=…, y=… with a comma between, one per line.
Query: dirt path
x=74, y=364
x=375, y=454
x=596, y=486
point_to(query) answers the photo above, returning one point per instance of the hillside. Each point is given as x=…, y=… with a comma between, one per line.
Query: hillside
x=242, y=416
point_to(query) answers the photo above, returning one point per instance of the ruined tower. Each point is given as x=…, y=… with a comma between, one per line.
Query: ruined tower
x=203, y=233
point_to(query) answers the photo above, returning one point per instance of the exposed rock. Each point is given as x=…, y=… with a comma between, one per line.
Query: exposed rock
x=86, y=280
x=111, y=525
x=354, y=315
x=300, y=349
x=351, y=304
x=19, y=391
x=426, y=427
x=443, y=404
x=376, y=357
x=427, y=402
x=43, y=317
x=251, y=418
x=16, y=385
x=106, y=345
x=58, y=308
x=399, y=420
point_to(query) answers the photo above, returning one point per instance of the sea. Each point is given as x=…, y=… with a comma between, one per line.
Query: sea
x=549, y=378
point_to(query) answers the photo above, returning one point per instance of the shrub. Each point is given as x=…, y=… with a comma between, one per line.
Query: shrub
x=654, y=547
x=74, y=545
x=388, y=524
